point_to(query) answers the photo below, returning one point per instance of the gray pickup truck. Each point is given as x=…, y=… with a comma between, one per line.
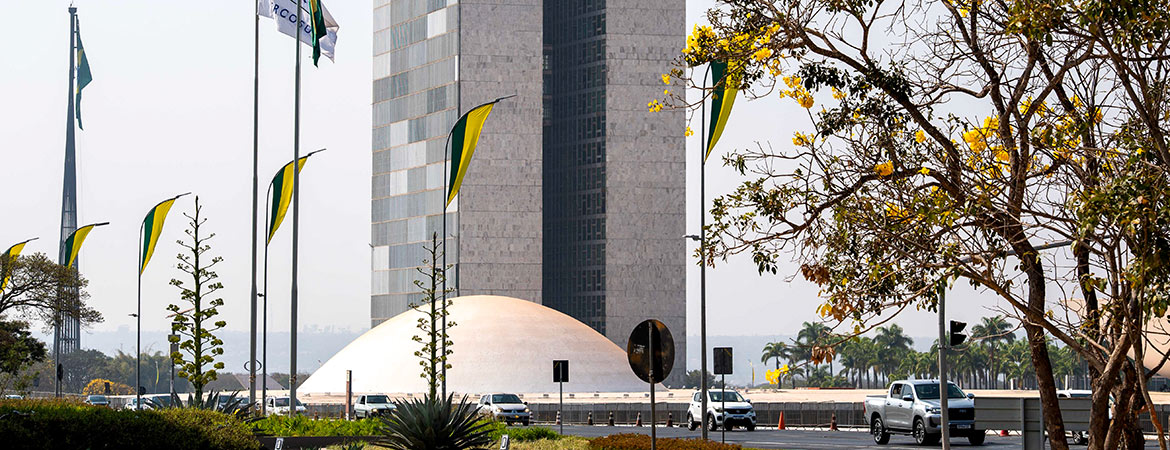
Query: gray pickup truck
x=912, y=407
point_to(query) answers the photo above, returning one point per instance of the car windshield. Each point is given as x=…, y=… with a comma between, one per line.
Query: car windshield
x=1080, y=395
x=377, y=399
x=98, y=398
x=725, y=396
x=283, y=401
x=930, y=391
x=505, y=398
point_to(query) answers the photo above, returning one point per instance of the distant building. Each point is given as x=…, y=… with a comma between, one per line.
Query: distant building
x=576, y=196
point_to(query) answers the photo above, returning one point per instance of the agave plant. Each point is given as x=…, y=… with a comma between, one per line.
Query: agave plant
x=433, y=423
x=229, y=404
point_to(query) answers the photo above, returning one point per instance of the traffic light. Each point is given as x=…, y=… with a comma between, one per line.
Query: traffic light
x=957, y=336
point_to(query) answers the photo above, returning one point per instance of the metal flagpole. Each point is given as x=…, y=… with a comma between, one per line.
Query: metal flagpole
x=69, y=196
x=446, y=173
x=292, y=370
x=703, y=253
x=255, y=201
x=138, y=317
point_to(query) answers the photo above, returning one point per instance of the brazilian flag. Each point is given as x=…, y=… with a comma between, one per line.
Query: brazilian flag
x=152, y=227
x=726, y=87
x=7, y=260
x=281, y=192
x=464, y=137
x=83, y=76
x=74, y=241
x=317, y=19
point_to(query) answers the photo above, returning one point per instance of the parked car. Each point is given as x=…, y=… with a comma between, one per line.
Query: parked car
x=13, y=397
x=372, y=405
x=506, y=407
x=1081, y=437
x=911, y=407
x=725, y=408
x=98, y=400
x=280, y=406
x=149, y=402
x=132, y=404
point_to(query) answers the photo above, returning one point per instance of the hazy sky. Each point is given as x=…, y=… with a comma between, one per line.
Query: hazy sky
x=170, y=111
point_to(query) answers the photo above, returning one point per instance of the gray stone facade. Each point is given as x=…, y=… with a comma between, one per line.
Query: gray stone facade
x=575, y=197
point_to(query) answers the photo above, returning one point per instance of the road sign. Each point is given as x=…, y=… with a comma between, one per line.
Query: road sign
x=645, y=361
x=722, y=361
x=561, y=371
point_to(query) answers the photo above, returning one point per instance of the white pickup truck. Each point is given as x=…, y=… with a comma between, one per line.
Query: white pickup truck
x=912, y=407
x=372, y=406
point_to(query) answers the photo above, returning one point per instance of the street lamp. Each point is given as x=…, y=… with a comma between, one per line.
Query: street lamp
x=702, y=325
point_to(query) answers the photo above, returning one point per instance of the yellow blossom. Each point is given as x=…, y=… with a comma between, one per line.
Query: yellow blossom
x=924, y=171
x=689, y=132
x=884, y=169
x=666, y=92
x=762, y=54
x=654, y=106
x=665, y=79
x=919, y=136
x=837, y=94
x=800, y=140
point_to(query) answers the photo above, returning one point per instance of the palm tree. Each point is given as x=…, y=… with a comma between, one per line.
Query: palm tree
x=774, y=350
x=992, y=331
x=810, y=336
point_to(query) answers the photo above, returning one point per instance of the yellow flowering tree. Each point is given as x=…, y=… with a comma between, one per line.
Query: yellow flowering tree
x=954, y=139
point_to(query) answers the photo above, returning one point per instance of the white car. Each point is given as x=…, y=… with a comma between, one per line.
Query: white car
x=1081, y=437
x=725, y=408
x=372, y=405
x=279, y=406
x=506, y=407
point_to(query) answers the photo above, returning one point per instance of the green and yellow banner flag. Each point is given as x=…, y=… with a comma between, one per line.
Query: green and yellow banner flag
x=74, y=241
x=726, y=87
x=83, y=76
x=7, y=260
x=317, y=19
x=152, y=227
x=464, y=137
x=282, y=192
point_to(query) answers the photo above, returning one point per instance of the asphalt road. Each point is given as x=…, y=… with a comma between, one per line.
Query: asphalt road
x=797, y=439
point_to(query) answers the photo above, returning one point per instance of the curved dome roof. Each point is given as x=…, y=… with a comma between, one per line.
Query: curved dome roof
x=500, y=344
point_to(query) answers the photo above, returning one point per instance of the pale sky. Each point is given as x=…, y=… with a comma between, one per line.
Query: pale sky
x=170, y=111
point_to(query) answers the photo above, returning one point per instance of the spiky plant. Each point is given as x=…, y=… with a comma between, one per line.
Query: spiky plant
x=433, y=423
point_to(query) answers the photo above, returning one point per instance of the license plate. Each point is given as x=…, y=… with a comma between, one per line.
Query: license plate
x=517, y=416
x=963, y=426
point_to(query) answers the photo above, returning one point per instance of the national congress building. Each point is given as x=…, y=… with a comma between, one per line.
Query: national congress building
x=575, y=197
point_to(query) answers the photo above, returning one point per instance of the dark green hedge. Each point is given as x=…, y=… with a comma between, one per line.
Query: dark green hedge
x=62, y=424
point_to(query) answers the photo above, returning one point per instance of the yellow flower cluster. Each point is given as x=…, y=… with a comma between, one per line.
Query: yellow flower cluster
x=700, y=36
x=773, y=376
x=689, y=132
x=654, y=106
x=919, y=137
x=884, y=169
x=762, y=54
x=797, y=92
x=977, y=138
x=665, y=78
x=800, y=139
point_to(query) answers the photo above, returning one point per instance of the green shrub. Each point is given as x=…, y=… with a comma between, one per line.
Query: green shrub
x=499, y=429
x=642, y=442
x=304, y=426
x=69, y=424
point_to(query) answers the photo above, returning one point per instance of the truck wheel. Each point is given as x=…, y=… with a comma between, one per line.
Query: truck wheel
x=711, y=422
x=921, y=437
x=691, y=424
x=977, y=437
x=878, y=429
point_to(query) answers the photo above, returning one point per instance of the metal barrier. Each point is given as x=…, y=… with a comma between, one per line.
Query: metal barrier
x=796, y=414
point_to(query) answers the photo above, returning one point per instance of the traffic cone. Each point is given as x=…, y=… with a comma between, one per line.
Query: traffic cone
x=558, y=417
x=833, y=423
x=1003, y=433
x=590, y=418
x=669, y=419
x=639, y=423
x=780, y=425
x=611, y=418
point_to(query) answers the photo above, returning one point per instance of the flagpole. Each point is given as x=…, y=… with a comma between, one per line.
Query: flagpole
x=255, y=200
x=264, y=333
x=138, y=317
x=703, y=252
x=446, y=170
x=70, y=173
x=296, y=200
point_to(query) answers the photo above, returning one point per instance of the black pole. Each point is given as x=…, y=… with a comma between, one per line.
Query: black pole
x=138, y=317
x=69, y=194
x=703, y=255
x=443, y=216
x=255, y=201
x=296, y=200
x=264, y=319
x=723, y=406
x=650, y=358
x=562, y=407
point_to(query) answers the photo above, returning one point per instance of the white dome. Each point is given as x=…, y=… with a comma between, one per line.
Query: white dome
x=501, y=344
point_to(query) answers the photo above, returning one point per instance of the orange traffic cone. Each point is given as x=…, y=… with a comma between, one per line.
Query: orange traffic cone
x=639, y=423
x=833, y=423
x=780, y=425
x=1003, y=433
